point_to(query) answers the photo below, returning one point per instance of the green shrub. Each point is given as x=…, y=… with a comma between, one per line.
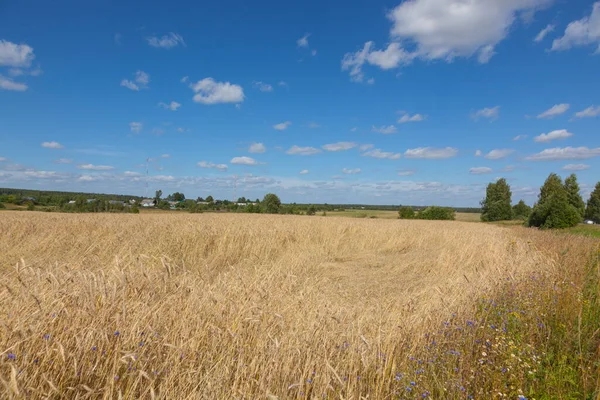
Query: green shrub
x=2, y=206
x=406, y=213
x=437, y=213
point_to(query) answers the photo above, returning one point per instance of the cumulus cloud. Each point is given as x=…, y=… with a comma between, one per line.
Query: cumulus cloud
x=52, y=145
x=431, y=153
x=498, y=154
x=304, y=172
x=490, y=113
x=411, y=118
x=480, y=170
x=167, y=41
x=589, y=112
x=141, y=81
x=406, y=172
x=173, y=106
x=93, y=167
x=206, y=164
x=543, y=33
x=392, y=57
x=565, y=153
x=365, y=147
x=339, y=146
x=583, y=32
x=9, y=84
x=303, y=41
x=282, y=126
x=520, y=137
x=208, y=91
x=15, y=55
x=386, y=130
x=257, y=148
x=136, y=127
x=244, y=161
x=554, y=111
x=575, y=167
x=63, y=161
x=302, y=151
x=554, y=135
x=351, y=171
x=377, y=153
x=263, y=87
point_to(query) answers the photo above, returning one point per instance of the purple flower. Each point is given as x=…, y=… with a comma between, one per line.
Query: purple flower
x=94, y=348
x=413, y=383
x=46, y=336
x=12, y=356
x=117, y=333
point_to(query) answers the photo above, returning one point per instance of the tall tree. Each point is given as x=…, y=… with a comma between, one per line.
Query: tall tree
x=271, y=203
x=575, y=199
x=497, y=203
x=592, y=212
x=521, y=211
x=210, y=199
x=553, y=210
x=157, y=197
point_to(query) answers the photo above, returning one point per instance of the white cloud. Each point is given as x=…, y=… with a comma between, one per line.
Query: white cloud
x=565, y=153
x=445, y=29
x=205, y=164
x=88, y=178
x=351, y=171
x=491, y=113
x=9, y=84
x=185, y=79
x=377, y=153
x=520, y=137
x=165, y=156
x=208, y=91
x=173, y=106
x=302, y=151
x=141, y=81
x=478, y=153
x=575, y=167
x=167, y=41
x=313, y=52
x=583, y=32
x=431, y=153
x=20, y=72
x=498, y=154
x=554, y=135
x=365, y=147
x=480, y=170
x=303, y=41
x=339, y=146
x=132, y=174
x=15, y=55
x=411, y=118
x=52, y=145
x=136, y=127
x=589, y=112
x=392, y=57
x=129, y=85
x=257, y=148
x=282, y=126
x=2, y=159
x=540, y=36
x=354, y=129
x=304, y=172
x=42, y=174
x=555, y=110
x=386, y=130
x=63, y=161
x=263, y=87
x=406, y=172
x=282, y=84
x=244, y=161
x=93, y=167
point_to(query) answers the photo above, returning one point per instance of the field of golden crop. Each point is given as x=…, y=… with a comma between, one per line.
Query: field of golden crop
x=222, y=306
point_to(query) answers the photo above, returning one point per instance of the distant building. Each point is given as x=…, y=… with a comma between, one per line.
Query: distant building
x=116, y=202
x=132, y=201
x=90, y=200
x=72, y=202
x=203, y=202
x=147, y=203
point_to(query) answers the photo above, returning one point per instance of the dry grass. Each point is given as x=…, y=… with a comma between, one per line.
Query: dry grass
x=235, y=306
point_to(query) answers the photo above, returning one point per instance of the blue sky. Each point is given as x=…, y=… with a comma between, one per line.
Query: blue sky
x=380, y=102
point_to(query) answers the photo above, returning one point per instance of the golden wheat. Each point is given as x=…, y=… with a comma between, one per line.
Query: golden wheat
x=233, y=306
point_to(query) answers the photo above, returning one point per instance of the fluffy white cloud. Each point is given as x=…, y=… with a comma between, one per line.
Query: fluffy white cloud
x=555, y=110
x=585, y=31
x=498, y=154
x=141, y=81
x=63, y=161
x=386, y=130
x=304, y=172
x=431, y=153
x=491, y=113
x=520, y=137
x=244, y=161
x=43, y=174
x=589, y=112
x=565, y=153
x=339, y=146
x=208, y=91
x=478, y=153
x=129, y=85
x=9, y=84
x=302, y=151
x=303, y=41
x=554, y=135
x=257, y=148
x=575, y=167
x=351, y=171
x=173, y=106
x=406, y=172
x=445, y=29
x=544, y=32
x=480, y=170
x=88, y=178
x=136, y=127
x=15, y=55
x=93, y=167
x=392, y=57
x=263, y=87
x=167, y=41
x=411, y=118
x=365, y=147
x=377, y=153
x=206, y=164
x=282, y=126
x=52, y=145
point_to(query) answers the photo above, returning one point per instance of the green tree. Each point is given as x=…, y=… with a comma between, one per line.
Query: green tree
x=592, y=212
x=521, y=211
x=135, y=209
x=157, y=197
x=2, y=206
x=177, y=196
x=311, y=210
x=572, y=188
x=406, y=212
x=497, y=203
x=242, y=200
x=437, y=213
x=210, y=199
x=271, y=203
x=553, y=210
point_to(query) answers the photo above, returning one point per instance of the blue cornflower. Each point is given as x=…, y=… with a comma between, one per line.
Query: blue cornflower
x=521, y=397
x=117, y=333
x=398, y=376
x=408, y=388
x=12, y=356
x=425, y=394
x=413, y=383
x=94, y=348
x=46, y=336
x=309, y=381
x=141, y=344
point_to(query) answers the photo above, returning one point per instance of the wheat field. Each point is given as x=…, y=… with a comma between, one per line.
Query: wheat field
x=224, y=306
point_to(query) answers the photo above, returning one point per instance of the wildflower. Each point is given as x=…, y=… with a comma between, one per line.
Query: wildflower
x=94, y=348
x=398, y=376
x=425, y=394
x=117, y=333
x=46, y=336
x=12, y=356
x=116, y=377
x=141, y=344
x=309, y=381
x=413, y=383
x=409, y=389
x=521, y=397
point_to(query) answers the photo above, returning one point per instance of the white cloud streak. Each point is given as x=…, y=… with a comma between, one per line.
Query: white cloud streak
x=554, y=111
x=52, y=145
x=210, y=165
x=208, y=91
x=167, y=41
x=302, y=151
x=431, y=153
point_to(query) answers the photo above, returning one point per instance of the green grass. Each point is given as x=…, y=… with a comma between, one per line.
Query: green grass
x=584, y=230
